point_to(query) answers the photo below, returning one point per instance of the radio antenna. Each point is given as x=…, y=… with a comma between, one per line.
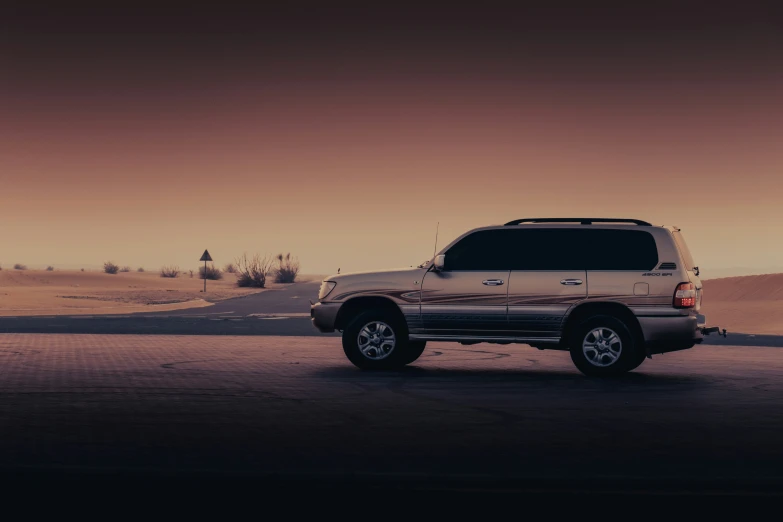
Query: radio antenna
x=435, y=250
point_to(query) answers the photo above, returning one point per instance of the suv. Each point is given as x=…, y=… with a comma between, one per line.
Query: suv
x=612, y=292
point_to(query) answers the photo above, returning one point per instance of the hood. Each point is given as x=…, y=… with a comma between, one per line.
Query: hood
x=376, y=275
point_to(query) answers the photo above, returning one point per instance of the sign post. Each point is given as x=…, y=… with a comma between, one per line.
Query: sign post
x=205, y=257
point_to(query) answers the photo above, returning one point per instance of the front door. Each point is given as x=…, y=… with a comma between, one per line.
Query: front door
x=468, y=297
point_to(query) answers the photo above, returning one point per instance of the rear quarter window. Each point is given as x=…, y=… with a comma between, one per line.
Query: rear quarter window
x=679, y=240
x=611, y=249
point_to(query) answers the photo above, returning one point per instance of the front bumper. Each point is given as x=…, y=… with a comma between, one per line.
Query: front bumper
x=324, y=316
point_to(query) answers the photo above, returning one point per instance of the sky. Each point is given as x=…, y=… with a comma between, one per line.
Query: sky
x=344, y=134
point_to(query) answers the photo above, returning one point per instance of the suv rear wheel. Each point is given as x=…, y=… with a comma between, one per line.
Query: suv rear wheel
x=603, y=346
x=378, y=340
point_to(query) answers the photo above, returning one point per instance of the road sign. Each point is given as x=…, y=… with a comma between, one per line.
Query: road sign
x=205, y=257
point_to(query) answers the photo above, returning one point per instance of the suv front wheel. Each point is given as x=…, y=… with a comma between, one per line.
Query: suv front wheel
x=603, y=346
x=378, y=340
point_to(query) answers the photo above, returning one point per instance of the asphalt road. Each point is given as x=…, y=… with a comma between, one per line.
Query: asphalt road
x=246, y=394
x=230, y=323
x=289, y=299
x=287, y=410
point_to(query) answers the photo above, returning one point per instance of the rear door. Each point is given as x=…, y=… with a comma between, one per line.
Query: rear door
x=624, y=272
x=547, y=278
x=469, y=296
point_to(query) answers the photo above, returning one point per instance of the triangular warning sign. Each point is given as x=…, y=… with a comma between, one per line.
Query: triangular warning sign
x=206, y=256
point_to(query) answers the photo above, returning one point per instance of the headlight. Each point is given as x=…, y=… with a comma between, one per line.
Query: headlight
x=326, y=288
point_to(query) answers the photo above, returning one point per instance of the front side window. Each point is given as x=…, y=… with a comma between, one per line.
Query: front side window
x=483, y=250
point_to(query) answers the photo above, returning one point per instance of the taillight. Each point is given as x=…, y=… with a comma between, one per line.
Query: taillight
x=685, y=296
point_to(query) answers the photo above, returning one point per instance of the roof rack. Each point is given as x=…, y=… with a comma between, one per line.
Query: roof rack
x=583, y=221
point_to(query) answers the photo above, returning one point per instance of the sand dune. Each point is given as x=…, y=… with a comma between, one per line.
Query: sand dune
x=767, y=287
x=72, y=292
x=747, y=304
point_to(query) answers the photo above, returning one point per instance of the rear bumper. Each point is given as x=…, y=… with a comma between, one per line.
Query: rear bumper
x=324, y=316
x=672, y=333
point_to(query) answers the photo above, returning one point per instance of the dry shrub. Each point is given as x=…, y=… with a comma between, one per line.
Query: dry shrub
x=140, y=269
x=20, y=266
x=252, y=271
x=110, y=268
x=50, y=268
x=287, y=268
x=170, y=271
x=212, y=272
x=230, y=268
x=125, y=269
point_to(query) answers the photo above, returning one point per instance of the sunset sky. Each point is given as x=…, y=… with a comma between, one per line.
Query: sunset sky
x=343, y=135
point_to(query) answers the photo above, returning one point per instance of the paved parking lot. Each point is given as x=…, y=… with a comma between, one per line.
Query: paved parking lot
x=294, y=406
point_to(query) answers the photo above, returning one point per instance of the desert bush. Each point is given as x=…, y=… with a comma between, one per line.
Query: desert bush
x=20, y=266
x=252, y=271
x=50, y=268
x=230, y=268
x=125, y=269
x=110, y=268
x=191, y=274
x=82, y=269
x=140, y=269
x=287, y=268
x=170, y=271
x=210, y=272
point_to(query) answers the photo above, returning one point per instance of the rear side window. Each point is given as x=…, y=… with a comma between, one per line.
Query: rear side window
x=545, y=249
x=582, y=249
x=683, y=248
x=554, y=249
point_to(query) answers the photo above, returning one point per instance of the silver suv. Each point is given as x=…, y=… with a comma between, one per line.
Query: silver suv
x=612, y=292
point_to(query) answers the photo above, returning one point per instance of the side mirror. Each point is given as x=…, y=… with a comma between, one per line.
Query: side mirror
x=439, y=262
x=696, y=270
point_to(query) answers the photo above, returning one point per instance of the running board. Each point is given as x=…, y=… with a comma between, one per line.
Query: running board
x=471, y=339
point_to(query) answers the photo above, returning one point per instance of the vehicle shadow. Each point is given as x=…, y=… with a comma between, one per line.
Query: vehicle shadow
x=529, y=376
x=744, y=339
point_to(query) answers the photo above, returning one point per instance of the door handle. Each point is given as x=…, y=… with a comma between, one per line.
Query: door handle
x=493, y=282
x=571, y=282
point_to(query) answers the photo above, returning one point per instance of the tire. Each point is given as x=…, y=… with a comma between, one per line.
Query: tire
x=641, y=356
x=415, y=349
x=374, y=350
x=602, y=346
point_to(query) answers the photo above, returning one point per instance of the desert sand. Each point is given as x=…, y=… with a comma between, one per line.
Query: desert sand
x=747, y=304
x=72, y=292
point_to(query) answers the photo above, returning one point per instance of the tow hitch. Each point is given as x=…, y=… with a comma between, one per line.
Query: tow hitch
x=713, y=329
